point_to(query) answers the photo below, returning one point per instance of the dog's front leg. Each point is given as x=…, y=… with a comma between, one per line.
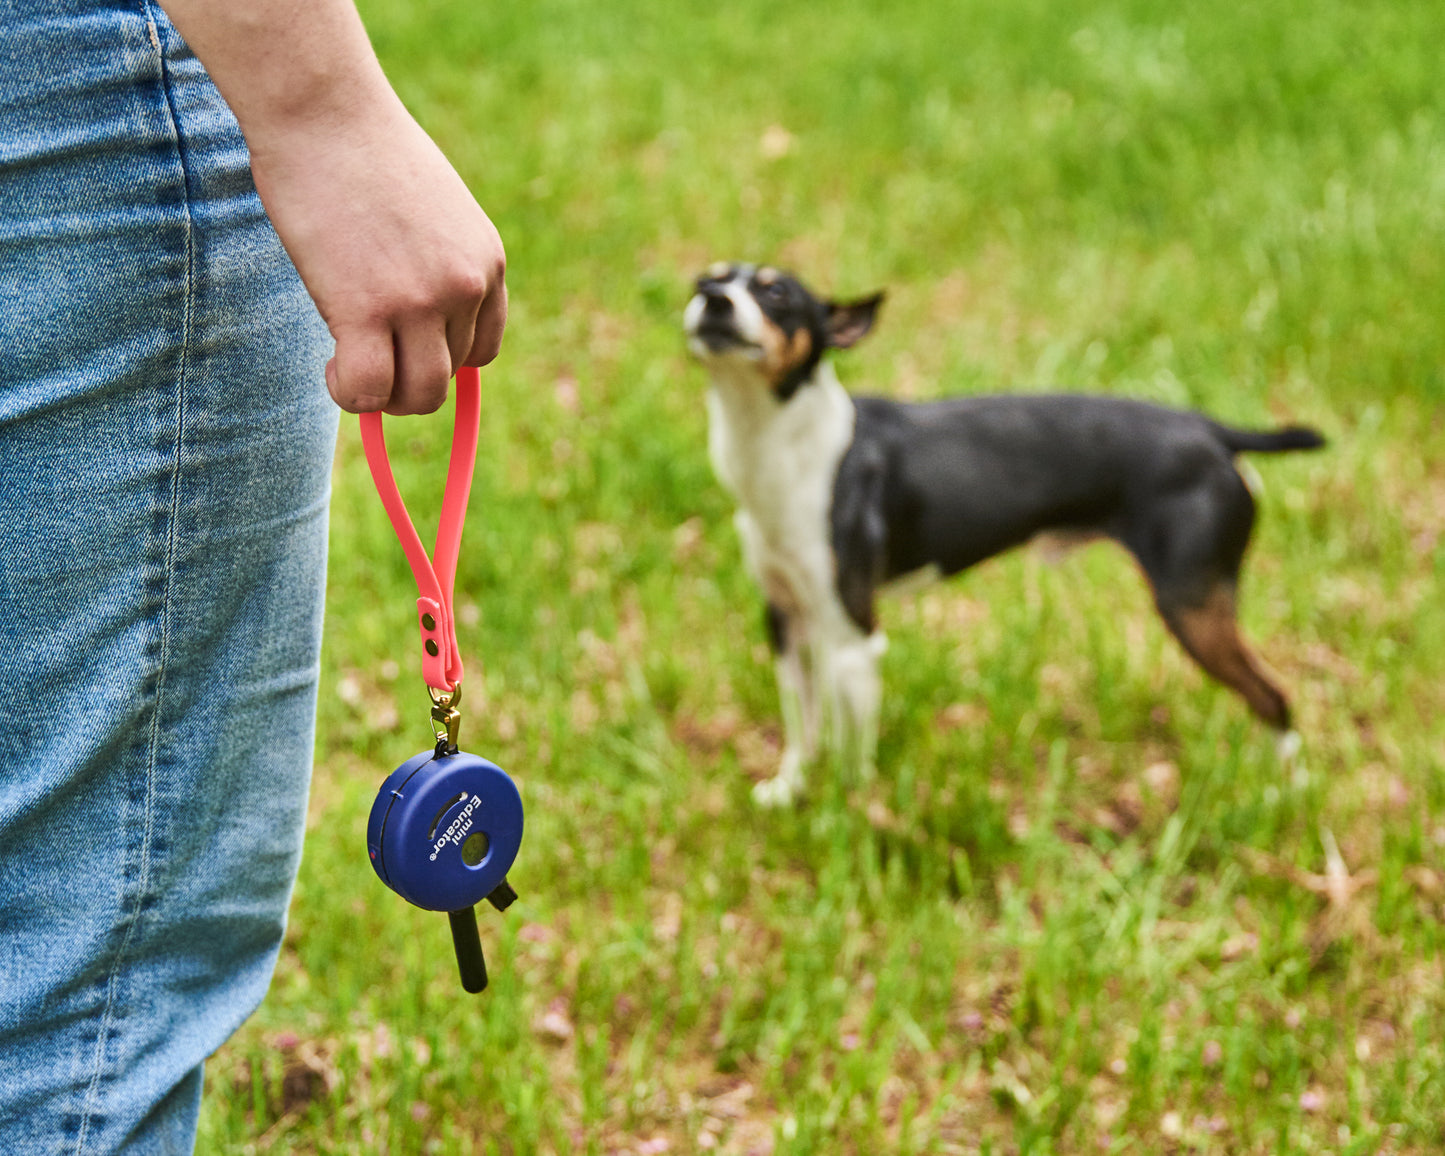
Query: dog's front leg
x=798, y=697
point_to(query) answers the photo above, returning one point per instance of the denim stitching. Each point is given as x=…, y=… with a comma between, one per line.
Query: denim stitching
x=188, y=301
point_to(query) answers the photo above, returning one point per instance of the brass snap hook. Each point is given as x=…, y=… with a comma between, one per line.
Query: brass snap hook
x=446, y=720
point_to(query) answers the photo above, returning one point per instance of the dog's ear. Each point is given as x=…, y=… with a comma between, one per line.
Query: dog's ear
x=849, y=321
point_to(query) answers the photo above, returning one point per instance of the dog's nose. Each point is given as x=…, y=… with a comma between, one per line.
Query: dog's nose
x=716, y=304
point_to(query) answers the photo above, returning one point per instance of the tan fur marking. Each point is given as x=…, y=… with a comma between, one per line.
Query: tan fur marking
x=1210, y=634
x=782, y=354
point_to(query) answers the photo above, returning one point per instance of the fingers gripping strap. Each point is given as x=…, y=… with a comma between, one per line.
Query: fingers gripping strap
x=441, y=662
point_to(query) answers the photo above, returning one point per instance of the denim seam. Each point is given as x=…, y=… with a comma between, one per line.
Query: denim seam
x=147, y=11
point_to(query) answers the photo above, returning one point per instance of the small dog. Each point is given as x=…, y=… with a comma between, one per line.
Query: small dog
x=839, y=496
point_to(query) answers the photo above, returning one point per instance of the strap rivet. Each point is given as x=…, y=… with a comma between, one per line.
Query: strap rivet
x=431, y=647
x=428, y=621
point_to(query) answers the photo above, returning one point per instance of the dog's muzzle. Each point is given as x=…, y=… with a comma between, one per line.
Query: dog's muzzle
x=712, y=321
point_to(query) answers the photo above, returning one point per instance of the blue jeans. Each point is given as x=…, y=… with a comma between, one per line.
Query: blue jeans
x=165, y=452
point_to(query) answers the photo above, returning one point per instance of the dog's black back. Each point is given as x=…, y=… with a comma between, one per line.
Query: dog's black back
x=948, y=484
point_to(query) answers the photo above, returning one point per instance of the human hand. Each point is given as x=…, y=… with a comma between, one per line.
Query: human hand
x=403, y=264
x=405, y=268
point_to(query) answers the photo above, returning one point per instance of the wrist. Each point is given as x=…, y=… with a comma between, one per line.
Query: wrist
x=319, y=114
x=288, y=70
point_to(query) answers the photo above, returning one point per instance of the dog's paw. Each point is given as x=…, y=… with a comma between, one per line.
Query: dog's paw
x=786, y=787
x=779, y=791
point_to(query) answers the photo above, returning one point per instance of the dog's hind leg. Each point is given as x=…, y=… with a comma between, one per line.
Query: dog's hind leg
x=1209, y=631
x=856, y=694
x=1191, y=545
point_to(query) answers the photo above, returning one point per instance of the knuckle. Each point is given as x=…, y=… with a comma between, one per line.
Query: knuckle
x=488, y=350
x=422, y=401
x=425, y=388
x=353, y=399
x=471, y=284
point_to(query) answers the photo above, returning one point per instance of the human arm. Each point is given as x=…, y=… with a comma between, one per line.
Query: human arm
x=405, y=268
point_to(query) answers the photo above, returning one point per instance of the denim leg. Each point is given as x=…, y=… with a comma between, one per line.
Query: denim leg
x=165, y=454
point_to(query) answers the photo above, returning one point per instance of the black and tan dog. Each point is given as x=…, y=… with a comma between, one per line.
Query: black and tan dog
x=839, y=496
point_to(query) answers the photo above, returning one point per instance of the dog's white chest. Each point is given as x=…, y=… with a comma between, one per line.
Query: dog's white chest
x=781, y=461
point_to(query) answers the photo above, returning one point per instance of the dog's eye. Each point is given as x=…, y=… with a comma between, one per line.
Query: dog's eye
x=775, y=291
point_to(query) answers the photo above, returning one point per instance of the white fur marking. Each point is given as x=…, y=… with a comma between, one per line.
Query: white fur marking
x=780, y=460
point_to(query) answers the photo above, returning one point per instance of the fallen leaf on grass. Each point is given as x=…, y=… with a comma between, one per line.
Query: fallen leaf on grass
x=1162, y=778
x=1337, y=886
x=554, y=1023
x=1429, y=883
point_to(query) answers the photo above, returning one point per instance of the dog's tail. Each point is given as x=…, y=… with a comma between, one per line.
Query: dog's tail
x=1294, y=437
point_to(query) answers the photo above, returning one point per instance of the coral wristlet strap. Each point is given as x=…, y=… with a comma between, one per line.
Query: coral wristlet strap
x=441, y=662
x=446, y=826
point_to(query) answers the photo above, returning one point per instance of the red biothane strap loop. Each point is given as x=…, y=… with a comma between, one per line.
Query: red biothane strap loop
x=442, y=670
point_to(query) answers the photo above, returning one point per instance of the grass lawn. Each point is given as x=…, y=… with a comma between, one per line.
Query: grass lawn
x=1084, y=908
